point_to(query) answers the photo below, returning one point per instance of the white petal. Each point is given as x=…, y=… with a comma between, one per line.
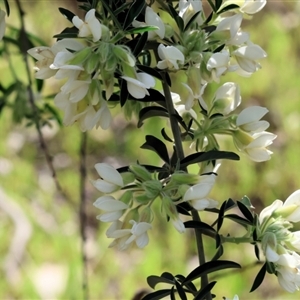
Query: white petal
x=109, y=173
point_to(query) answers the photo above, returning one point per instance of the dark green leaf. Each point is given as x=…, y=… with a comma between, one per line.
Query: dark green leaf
x=7, y=7
x=205, y=156
x=227, y=8
x=133, y=12
x=219, y=49
x=154, y=96
x=190, y=22
x=157, y=295
x=190, y=286
x=209, y=267
x=141, y=42
x=172, y=294
x=219, y=253
x=123, y=92
x=67, y=33
x=184, y=208
x=153, y=280
x=221, y=215
x=245, y=211
x=180, y=291
x=114, y=18
x=208, y=19
x=259, y=278
x=256, y=250
x=66, y=13
x=205, y=228
x=238, y=219
x=218, y=4
x=150, y=71
x=167, y=275
x=54, y=113
x=39, y=84
x=151, y=111
x=166, y=137
x=204, y=291
x=156, y=145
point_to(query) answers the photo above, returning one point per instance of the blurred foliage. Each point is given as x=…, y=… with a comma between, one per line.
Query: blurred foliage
x=40, y=236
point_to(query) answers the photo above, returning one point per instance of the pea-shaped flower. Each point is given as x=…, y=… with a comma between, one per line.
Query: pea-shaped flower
x=251, y=7
x=171, y=57
x=90, y=26
x=110, y=181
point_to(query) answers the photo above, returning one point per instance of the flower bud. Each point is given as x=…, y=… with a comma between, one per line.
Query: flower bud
x=146, y=215
x=124, y=55
x=80, y=56
x=184, y=178
x=152, y=188
x=92, y=64
x=140, y=172
x=126, y=197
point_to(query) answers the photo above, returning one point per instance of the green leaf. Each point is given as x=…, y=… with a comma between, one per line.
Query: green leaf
x=227, y=8
x=190, y=22
x=156, y=145
x=114, y=18
x=7, y=7
x=219, y=253
x=204, y=291
x=245, y=211
x=66, y=13
x=205, y=156
x=180, y=291
x=259, y=278
x=256, y=250
x=157, y=295
x=209, y=267
x=184, y=208
x=238, y=219
x=205, y=228
x=176, y=17
x=153, y=280
x=218, y=4
x=134, y=10
x=151, y=111
x=69, y=32
x=221, y=215
x=150, y=71
x=165, y=136
x=123, y=92
x=141, y=29
x=138, y=43
x=154, y=96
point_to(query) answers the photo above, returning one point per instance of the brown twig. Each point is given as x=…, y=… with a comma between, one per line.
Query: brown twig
x=83, y=214
x=24, y=42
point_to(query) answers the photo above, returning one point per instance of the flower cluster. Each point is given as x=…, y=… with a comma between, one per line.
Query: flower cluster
x=141, y=189
x=280, y=244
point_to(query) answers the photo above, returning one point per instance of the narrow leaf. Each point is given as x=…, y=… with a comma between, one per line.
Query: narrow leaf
x=133, y=12
x=7, y=7
x=205, y=228
x=141, y=29
x=205, y=156
x=227, y=8
x=157, y=295
x=209, y=267
x=245, y=211
x=219, y=253
x=221, y=215
x=66, y=13
x=153, y=280
x=123, y=92
x=151, y=111
x=259, y=278
x=238, y=219
x=180, y=291
x=156, y=145
x=204, y=291
x=150, y=71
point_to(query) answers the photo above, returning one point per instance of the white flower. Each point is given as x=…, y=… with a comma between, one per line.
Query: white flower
x=256, y=150
x=61, y=100
x=288, y=271
x=247, y=56
x=189, y=103
x=138, y=87
x=90, y=26
x=291, y=207
x=76, y=89
x=124, y=237
x=178, y=224
x=45, y=56
x=227, y=98
x=232, y=24
x=61, y=62
x=2, y=23
x=188, y=8
x=267, y=212
x=198, y=194
x=236, y=297
x=114, y=208
x=218, y=64
x=249, y=119
x=253, y=6
x=111, y=179
x=170, y=56
x=152, y=19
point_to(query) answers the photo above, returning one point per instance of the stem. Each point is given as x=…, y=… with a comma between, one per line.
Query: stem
x=178, y=145
x=236, y=240
x=24, y=46
x=83, y=215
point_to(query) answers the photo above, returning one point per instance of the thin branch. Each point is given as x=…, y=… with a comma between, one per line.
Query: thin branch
x=83, y=214
x=24, y=46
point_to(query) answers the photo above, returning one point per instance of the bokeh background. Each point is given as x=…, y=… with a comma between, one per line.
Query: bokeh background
x=40, y=246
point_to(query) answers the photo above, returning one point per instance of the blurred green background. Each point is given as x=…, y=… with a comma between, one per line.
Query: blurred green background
x=40, y=235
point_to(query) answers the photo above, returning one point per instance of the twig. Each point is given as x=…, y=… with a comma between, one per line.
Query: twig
x=83, y=215
x=24, y=47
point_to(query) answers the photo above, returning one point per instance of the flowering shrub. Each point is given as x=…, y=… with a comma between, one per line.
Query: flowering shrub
x=132, y=52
